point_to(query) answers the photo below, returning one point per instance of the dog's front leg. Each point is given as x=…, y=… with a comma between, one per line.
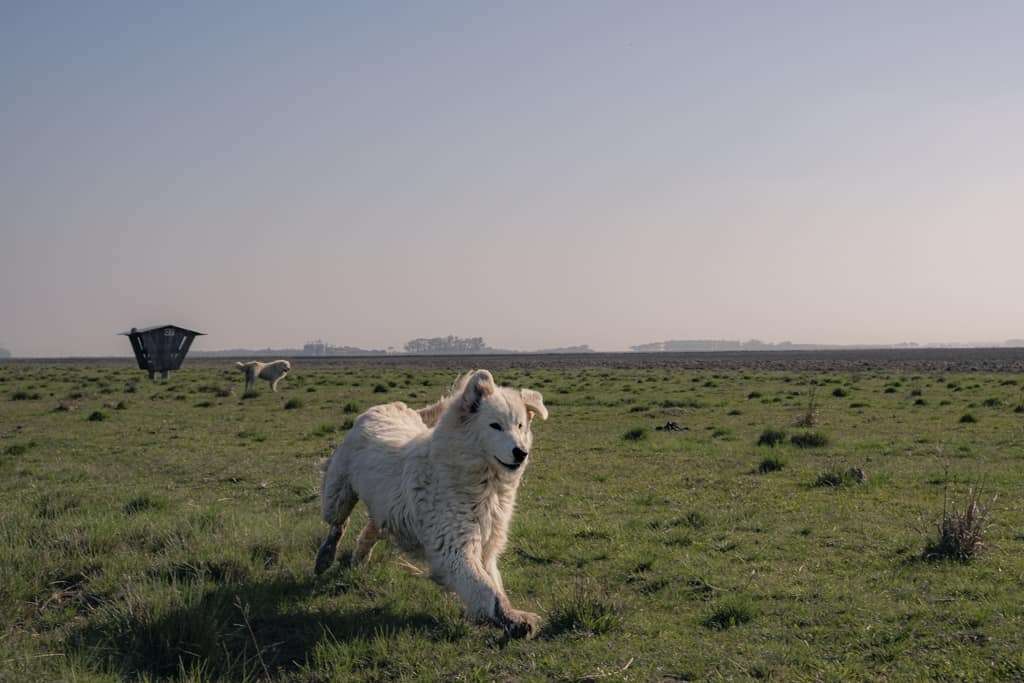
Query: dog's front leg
x=491, y=565
x=465, y=574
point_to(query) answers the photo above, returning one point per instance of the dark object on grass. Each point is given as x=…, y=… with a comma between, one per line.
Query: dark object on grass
x=671, y=426
x=161, y=348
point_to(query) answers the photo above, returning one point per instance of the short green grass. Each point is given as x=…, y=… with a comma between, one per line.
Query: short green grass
x=174, y=539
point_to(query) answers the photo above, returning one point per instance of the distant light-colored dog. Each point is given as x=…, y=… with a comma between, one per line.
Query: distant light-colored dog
x=441, y=483
x=272, y=372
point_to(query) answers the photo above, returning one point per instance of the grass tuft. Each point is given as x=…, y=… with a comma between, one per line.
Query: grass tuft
x=771, y=464
x=961, y=531
x=22, y=395
x=809, y=440
x=834, y=478
x=583, y=614
x=771, y=437
x=635, y=434
x=729, y=613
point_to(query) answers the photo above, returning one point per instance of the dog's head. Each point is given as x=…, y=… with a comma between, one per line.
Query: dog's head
x=499, y=419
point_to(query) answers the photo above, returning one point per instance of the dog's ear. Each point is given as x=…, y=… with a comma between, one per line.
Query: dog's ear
x=479, y=386
x=534, y=403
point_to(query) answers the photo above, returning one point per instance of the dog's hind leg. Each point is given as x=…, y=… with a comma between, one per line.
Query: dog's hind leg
x=345, y=501
x=364, y=545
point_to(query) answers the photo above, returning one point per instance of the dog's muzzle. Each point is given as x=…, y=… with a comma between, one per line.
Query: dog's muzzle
x=508, y=466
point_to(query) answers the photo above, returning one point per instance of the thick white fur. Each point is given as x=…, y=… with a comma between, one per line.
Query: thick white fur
x=440, y=483
x=273, y=372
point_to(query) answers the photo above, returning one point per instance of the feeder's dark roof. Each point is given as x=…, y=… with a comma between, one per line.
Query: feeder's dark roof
x=160, y=327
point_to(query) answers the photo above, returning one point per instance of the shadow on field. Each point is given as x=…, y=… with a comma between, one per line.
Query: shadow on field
x=233, y=630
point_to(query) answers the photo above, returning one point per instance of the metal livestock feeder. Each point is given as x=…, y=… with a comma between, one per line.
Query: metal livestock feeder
x=161, y=348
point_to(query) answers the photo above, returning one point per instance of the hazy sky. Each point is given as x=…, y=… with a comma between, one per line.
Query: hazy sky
x=540, y=174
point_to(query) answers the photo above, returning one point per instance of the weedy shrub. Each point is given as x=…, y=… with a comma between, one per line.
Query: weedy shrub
x=380, y=389
x=734, y=412
x=992, y=403
x=729, y=613
x=350, y=407
x=839, y=392
x=348, y=424
x=770, y=464
x=292, y=404
x=920, y=402
x=810, y=416
x=771, y=437
x=252, y=393
x=635, y=434
x=121, y=405
x=97, y=416
x=890, y=390
x=753, y=394
x=858, y=405
x=204, y=404
x=809, y=440
x=967, y=418
x=960, y=531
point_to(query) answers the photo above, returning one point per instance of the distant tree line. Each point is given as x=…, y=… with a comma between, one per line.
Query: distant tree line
x=449, y=344
x=4, y=353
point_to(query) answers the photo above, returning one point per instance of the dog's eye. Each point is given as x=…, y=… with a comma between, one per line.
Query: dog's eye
x=495, y=425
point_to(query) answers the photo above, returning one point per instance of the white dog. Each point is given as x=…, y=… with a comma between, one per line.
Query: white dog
x=441, y=483
x=272, y=372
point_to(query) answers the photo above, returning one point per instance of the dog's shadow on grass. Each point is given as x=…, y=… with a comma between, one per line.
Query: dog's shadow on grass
x=233, y=630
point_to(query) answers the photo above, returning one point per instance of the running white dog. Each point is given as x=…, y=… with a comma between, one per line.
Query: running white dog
x=272, y=372
x=441, y=483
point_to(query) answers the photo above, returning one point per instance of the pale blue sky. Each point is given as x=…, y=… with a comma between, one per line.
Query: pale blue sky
x=539, y=174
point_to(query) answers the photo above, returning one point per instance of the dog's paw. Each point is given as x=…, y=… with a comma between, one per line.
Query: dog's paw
x=520, y=624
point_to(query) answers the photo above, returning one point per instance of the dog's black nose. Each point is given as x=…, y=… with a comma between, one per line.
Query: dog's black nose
x=519, y=454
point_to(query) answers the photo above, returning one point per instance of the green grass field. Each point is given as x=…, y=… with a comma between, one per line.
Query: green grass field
x=167, y=530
